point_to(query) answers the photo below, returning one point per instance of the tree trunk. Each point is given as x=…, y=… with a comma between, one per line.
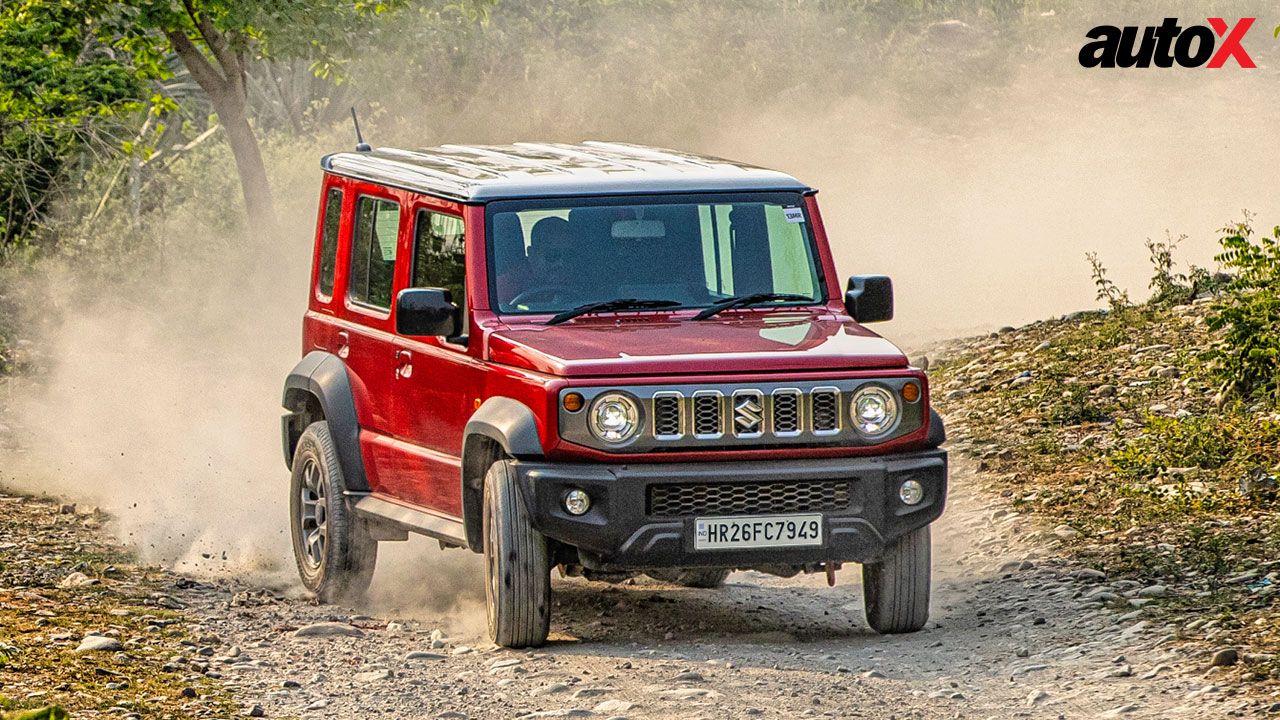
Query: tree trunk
x=226, y=87
x=253, y=173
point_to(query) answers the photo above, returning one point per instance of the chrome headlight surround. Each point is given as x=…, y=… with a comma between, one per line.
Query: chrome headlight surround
x=614, y=418
x=875, y=411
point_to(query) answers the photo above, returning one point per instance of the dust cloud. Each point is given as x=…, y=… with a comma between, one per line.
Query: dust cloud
x=161, y=405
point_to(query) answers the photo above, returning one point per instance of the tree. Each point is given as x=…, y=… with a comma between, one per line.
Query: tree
x=218, y=39
x=62, y=92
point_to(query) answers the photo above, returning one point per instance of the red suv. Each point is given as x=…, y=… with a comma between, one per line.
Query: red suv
x=609, y=358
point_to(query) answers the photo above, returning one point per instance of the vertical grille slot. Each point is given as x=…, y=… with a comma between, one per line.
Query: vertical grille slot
x=825, y=410
x=786, y=413
x=666, y=416
x=707, y=415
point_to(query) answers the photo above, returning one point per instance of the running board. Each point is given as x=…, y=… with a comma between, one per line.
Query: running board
x=446, y=530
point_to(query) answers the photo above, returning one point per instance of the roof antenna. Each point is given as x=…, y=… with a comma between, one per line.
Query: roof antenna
x=361, y=145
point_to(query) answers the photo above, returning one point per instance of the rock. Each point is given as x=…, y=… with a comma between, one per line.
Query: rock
x=1036, y=697
x=1154, y=591
x=612, y=707
x=255, y=711
x=423, y=655
x=328, y=629
x=1206, y=690
x=451, y=715
x=549, y=689
x=1090, y=575
x=590, y=692
x=188, y=692
x=1066, y=532
x=1123, y=671
x=67, y=509
x=505, y=663
x=290, y=684
x=1155, y=671
x=946, y=695
x=1225, y=657
x=77, y=580
x=1105, y=391
x=689, y=676
x=687, y=694
x=573, y=713
x=320, y=704
x=1122, y=710
x=372, y=676
x=874, y=675
x=1042, y=346
x=99, y=643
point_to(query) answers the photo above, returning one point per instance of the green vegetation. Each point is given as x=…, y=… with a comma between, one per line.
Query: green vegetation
x=1166, y=465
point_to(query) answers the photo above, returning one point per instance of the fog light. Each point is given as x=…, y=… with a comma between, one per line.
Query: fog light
x=911, y=492
x=577, y=502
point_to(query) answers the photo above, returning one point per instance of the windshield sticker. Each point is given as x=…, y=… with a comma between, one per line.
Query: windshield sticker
x=793, y=214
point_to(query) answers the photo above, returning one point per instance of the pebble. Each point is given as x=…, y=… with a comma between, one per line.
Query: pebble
x=1225, y=657
x=687, y=694
x=423, y=655
x=612, y=707
x=99, y=643
x=328, y=629
x=373, y=676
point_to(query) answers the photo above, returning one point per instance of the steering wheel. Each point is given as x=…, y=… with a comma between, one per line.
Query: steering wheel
x=546, y=292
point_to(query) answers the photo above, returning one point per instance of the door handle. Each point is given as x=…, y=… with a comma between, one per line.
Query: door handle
x=344, y=344
x=404, y=364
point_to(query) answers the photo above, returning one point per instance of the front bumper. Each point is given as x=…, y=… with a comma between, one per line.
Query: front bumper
x=617, y=532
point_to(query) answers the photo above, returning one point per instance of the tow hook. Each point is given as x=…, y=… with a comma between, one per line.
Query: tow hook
x=831, y=573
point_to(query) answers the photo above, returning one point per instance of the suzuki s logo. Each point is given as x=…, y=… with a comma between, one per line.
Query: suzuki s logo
x=1167, y=44
x=748, y=414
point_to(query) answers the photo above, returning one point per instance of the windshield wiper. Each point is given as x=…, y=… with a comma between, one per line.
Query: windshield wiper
x=611, y=305
x=747, y=300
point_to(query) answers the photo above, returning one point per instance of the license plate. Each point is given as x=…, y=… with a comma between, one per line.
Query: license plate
x=757, y=531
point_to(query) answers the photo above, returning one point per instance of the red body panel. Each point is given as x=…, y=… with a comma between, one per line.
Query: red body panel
x=414, y=396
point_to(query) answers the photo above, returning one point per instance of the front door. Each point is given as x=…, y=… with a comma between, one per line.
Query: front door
x=436, y=374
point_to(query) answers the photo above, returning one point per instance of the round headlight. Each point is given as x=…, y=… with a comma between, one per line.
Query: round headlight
x=614, y=418
x=875, y=411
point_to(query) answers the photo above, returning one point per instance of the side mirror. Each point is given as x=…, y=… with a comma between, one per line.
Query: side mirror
x=426, y=312
x=869, y=298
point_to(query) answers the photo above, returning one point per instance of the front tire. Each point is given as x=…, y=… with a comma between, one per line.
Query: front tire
x=896, y=590
x=517, y=565
x=331, y=546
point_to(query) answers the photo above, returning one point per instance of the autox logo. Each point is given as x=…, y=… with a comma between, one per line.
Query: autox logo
x=1168, y=43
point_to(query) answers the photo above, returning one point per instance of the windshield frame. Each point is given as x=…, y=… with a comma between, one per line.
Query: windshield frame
x=793, y=198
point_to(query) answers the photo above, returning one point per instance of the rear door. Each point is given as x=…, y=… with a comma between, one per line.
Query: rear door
x=366, y=333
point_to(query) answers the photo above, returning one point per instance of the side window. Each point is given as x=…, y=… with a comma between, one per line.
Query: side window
x=438, y=259
x=373, y=252
x=329, y=240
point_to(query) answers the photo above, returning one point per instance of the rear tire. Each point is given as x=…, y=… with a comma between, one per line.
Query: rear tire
x=331, y=546
x=896, y=590
x=691, y=577
x=517, y=565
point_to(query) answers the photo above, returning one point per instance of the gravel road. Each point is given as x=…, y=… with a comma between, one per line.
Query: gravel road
x=1016, y=632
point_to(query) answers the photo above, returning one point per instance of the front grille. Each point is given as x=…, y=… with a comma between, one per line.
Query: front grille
x=826, y=410
x=666, y=416
x=706, y=414
x=786, y=412
x=689, y=500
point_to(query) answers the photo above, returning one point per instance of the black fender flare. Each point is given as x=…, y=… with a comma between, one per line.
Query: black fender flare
x=937, y=430
x=321, y=379
x=501, y=426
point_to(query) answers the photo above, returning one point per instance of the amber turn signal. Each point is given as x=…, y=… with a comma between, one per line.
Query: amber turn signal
x=911, y=392
x=573, y=402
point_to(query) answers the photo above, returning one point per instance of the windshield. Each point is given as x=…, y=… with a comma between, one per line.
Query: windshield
x=556, y=255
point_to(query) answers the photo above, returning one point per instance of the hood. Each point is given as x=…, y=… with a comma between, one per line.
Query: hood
x=654, y=344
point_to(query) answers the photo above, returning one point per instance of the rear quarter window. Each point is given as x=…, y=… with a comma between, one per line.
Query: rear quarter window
x=329, y=240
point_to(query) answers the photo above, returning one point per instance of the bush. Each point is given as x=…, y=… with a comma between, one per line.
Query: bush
x=1247, y=360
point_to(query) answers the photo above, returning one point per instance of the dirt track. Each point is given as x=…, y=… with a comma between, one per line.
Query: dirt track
x=1015, y=635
